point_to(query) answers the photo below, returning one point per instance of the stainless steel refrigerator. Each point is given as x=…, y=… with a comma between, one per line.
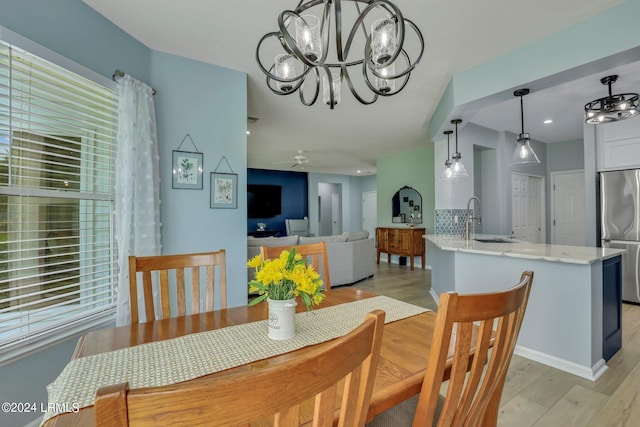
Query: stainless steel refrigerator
x=620, y=224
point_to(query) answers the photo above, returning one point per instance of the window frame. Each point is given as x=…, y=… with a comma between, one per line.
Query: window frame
x=95, y=318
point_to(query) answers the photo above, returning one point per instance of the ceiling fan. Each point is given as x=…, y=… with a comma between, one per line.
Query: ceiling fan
x=298, y=160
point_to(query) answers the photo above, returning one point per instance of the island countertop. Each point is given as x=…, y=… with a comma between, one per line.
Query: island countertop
x=505, y=246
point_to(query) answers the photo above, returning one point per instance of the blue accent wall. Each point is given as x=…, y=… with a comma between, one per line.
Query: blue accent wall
x=294, y=197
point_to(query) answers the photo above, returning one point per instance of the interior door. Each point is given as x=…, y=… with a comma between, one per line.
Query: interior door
x=527, y=206
x=369, y=211
x=336, y=215
x=567, y=213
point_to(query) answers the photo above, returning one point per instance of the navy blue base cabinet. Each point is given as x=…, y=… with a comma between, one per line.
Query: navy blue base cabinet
x=611, y=307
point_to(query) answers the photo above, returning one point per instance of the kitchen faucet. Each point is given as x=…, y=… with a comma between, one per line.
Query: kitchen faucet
x=471, y=218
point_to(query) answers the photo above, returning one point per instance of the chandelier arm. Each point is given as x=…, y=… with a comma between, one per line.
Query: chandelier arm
x=364, y=28
x=315, y=97
x=355, y=93
x=281, y=92
x=324, y=30
x=337, y=9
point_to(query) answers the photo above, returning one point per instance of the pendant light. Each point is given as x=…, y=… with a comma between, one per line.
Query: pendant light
x=447, y=173
x=524, y=154
x=457, y=167
x=612, y=108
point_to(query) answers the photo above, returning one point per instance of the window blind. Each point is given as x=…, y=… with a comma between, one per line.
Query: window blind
x=57, y=250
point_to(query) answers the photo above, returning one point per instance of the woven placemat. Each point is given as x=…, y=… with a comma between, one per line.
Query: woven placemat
x=195, y=355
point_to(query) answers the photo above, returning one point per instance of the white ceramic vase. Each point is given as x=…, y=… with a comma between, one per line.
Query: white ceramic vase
x=282, y=319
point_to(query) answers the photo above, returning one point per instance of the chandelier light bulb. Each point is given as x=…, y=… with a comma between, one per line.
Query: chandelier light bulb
x=326, y=37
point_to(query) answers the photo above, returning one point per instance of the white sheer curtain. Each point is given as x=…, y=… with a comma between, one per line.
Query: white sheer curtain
x=137, y=184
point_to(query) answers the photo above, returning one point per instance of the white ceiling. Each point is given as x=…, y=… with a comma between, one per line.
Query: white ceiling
x=458, y=34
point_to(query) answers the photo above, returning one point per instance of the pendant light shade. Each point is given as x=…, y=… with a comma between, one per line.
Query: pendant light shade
x=524, y=153
x=612, y=108
x=457, y=167
x=447, y=172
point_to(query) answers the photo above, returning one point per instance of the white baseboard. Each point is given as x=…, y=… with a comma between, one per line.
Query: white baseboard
x=591, y=374
x=435, y=296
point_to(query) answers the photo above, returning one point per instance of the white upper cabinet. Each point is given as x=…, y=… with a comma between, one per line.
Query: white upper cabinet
x=619, y=145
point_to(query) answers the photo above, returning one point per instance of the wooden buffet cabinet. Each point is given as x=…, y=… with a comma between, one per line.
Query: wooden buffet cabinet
x=405, y=241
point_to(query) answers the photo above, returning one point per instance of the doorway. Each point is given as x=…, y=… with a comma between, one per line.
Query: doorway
x=329, y=209
x=567, y=208
x=527, y=207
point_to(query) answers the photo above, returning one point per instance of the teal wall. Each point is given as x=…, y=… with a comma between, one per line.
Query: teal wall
x=206, y=101
x=412, y=168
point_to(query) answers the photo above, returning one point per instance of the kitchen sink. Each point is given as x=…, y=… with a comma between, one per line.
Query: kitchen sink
x=494, y=240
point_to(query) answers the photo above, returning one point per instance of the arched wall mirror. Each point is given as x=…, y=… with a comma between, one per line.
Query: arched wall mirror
x=406, y=206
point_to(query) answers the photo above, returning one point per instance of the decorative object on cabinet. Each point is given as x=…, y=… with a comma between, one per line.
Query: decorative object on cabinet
x=400, y=241
x=405, y=206
x=457, y=167
x=303, y=38
x=447, y=173
x=224, y=188
x=524, y=154
x=187, y=167
x=611, y=108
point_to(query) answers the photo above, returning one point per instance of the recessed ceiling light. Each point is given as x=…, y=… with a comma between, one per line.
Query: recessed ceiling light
x=248, y=132
x=358, y=171
x=546, y=122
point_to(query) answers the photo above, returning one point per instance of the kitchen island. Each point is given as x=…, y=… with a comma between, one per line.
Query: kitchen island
x=573, y=319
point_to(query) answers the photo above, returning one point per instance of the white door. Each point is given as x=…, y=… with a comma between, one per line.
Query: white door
x=527, y=207
x=567, y=208
x=336, y=215
x=370, y=212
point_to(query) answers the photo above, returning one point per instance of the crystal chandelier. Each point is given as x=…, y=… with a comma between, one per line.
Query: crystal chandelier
x=611, y=108
x=377, y=32
x=524, y=153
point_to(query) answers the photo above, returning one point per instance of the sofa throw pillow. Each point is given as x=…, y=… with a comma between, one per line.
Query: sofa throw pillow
x=358, y=235
x=341, y=238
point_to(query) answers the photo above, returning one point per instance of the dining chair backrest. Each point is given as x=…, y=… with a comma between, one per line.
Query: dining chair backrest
x=474, y=390
x=160, y=271
x=274, y=393
x=315, y=252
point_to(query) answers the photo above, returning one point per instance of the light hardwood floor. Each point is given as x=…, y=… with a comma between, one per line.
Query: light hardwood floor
x=536, y=394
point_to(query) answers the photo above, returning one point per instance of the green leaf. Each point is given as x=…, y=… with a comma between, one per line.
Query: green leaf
x=258, y=299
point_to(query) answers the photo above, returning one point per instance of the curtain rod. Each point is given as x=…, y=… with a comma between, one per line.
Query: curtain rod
x=117, y=74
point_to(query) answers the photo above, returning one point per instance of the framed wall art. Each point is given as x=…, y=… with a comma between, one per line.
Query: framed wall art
x=224, y=190
x=187, y=167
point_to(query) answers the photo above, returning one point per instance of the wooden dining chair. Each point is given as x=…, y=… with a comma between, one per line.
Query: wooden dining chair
x=174, y=269
x=316, y=252
x=274, y=393
x=479, y=363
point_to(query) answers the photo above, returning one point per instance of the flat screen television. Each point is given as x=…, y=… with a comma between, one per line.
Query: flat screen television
x=264, y=201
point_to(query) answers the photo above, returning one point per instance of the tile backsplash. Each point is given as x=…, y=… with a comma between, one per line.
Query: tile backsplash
x=445, y=221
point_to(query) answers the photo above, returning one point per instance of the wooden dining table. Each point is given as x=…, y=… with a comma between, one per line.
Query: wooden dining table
x=403, y=355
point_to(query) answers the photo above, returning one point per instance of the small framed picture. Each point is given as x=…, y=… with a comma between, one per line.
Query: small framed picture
x=187, y=170
x=224, y=190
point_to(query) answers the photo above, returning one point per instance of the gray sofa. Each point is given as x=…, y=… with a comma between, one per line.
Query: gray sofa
x=351, y=255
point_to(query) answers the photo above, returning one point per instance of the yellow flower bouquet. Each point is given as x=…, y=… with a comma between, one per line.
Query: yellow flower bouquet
x=284, y=278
